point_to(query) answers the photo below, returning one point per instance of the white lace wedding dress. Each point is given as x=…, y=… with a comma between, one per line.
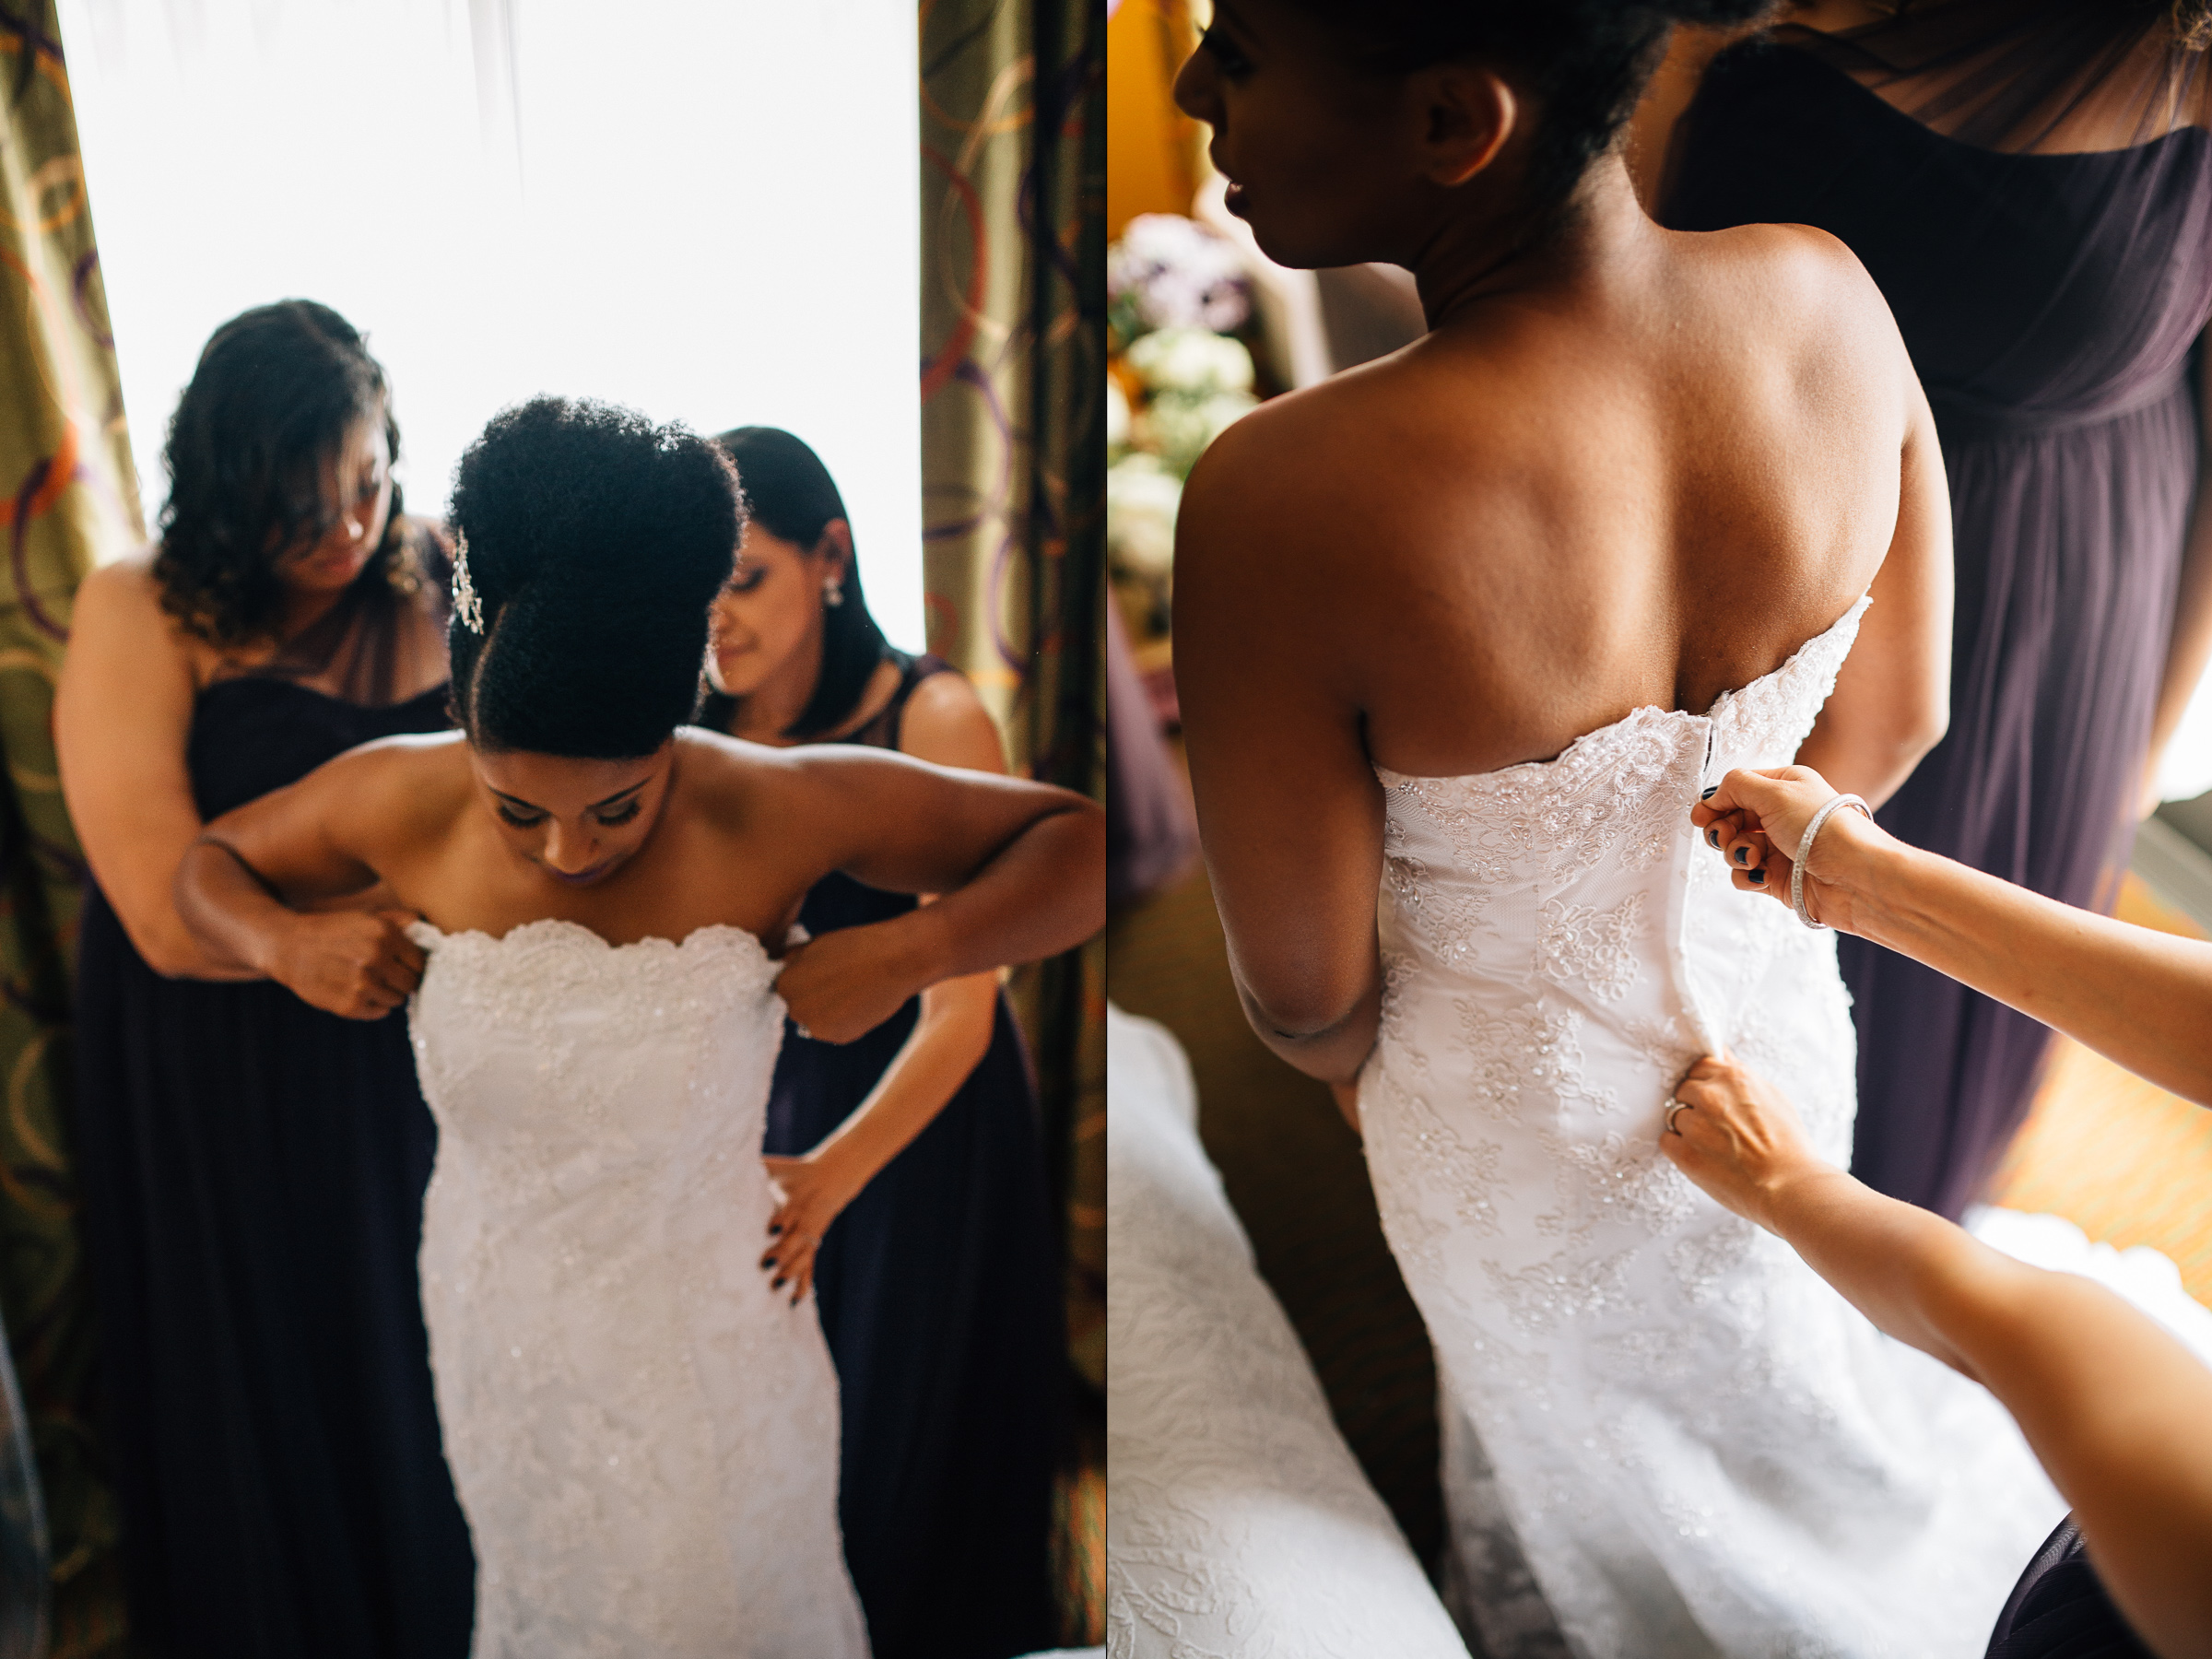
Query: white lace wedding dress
x=644, y=1436
x=1697, y=1445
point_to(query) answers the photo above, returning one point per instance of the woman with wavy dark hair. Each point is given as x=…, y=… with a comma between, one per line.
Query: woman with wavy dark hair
x=2030, y=183
x=253, y=1168
x=912, y=1174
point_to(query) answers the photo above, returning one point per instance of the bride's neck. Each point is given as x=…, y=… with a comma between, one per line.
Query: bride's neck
x=1469, y=262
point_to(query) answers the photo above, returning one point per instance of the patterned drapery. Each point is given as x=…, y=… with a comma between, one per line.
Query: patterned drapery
x=1012, y=465
x=67, y=494
x=1012, y=479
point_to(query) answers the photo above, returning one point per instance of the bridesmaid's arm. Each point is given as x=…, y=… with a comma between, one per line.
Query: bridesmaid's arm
x=2118, y=1411
x=2140, y=997
x=946, y=724
x=122, y=718
x=2189, y=645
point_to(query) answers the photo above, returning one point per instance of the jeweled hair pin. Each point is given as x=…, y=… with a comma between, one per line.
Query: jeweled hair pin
x=466, y=605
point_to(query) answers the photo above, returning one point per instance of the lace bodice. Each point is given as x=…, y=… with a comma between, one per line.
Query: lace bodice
x=1694, y=1444
x=643, y=1435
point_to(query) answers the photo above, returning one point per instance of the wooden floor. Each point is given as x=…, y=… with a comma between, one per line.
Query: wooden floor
x=2124, y=1162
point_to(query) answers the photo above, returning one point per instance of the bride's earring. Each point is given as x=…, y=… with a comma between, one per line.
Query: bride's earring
x=834, y=593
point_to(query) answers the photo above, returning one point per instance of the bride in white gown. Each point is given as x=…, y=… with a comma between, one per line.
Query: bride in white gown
x=1471, y=628
x=642, y=1425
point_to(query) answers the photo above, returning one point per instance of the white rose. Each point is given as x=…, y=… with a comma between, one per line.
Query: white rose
x=1141, y=498
x=1191, y=362
x=1181, y=427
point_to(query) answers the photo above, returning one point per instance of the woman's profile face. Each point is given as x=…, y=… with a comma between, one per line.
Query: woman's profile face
x=577, y=820
x=769, y=612
x=1307, y=142
x=356, y=485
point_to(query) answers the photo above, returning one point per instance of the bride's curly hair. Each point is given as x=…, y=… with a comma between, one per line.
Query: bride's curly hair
x=1588, y=60
x=276, y=392
x=595, y=542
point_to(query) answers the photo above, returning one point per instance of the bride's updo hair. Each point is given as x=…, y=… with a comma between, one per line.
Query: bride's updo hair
x=595, y=542
x=1588, y=60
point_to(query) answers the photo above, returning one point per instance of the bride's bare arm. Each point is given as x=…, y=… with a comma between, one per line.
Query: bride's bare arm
x=1289, y=811
x=1891, y=703
x=1021, y=868
x=243, y=886
x=2119, y=1412
x=2140, y=997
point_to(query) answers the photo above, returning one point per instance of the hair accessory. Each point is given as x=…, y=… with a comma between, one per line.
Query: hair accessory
x=466, y=605
x=1827, y=810
x=834, y=593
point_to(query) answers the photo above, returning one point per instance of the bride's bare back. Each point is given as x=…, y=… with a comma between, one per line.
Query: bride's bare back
x=1643, y=492
x=1628, y=467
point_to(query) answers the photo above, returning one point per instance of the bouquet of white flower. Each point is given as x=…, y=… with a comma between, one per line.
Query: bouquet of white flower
x=1191, y=362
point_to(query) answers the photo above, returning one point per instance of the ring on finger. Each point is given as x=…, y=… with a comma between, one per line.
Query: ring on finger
x=1674, y=1106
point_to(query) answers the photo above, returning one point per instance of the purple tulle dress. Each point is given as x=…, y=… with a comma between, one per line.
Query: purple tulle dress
x=2030, y=186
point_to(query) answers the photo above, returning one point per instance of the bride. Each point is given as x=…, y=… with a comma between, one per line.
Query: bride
x=643, y=1430
x=1473, y=628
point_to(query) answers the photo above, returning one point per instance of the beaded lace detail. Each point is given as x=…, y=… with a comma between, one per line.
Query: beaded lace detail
x=1656, y=1415
x=644, y=1437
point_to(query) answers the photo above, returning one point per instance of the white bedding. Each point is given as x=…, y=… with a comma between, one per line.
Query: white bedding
x=1239, y=1525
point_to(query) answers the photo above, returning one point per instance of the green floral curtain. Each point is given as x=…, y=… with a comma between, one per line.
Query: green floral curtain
x=1012, y=479
x=67, y=497
x=1013, y=458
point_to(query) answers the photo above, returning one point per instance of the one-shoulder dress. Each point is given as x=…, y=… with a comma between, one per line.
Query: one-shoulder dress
x=254, y=1173
x=2051, y=299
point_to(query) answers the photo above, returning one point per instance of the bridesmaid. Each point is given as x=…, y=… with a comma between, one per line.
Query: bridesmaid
x=254, y=1170
x=2030, y=183
x=938, y=1284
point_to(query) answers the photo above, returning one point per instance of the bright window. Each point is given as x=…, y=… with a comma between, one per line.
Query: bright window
x=708, y=211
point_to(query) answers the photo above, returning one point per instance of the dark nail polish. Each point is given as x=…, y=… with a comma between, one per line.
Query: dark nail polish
x=1713, y=836
x=774, y=1228
x=776, y=1285
x=1710, y=792
x=1759, y=877
x=1742, y=855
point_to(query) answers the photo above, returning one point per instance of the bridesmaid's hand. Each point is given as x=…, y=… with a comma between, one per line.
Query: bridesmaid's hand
x=1752, y=816
x=354, y=963
x=1737, y=1136
x=815, y=1190
x=842, y=986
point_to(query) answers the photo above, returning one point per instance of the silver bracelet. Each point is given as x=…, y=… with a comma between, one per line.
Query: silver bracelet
x=1828, y=808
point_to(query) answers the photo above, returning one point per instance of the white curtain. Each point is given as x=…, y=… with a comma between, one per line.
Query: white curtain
x=705, y=210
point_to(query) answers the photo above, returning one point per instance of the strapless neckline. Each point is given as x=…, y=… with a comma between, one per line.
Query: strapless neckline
x=551, y=928
x=1799, y=660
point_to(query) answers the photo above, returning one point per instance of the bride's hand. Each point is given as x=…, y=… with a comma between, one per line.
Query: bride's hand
x=841, y=985
x=1756, y=821
x=1737, y=1136
x=356, y=963
x=815, y=1191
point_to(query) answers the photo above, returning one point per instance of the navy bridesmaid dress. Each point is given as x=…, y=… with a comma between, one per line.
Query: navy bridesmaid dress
x=939, y=1292
x=254, y=1173
x=2051, y=293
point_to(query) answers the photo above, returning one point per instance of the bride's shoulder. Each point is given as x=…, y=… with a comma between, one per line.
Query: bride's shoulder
x=1788, y=285
x=1325, y=470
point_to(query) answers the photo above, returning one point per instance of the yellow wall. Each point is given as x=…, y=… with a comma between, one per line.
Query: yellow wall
x=1152, y=152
